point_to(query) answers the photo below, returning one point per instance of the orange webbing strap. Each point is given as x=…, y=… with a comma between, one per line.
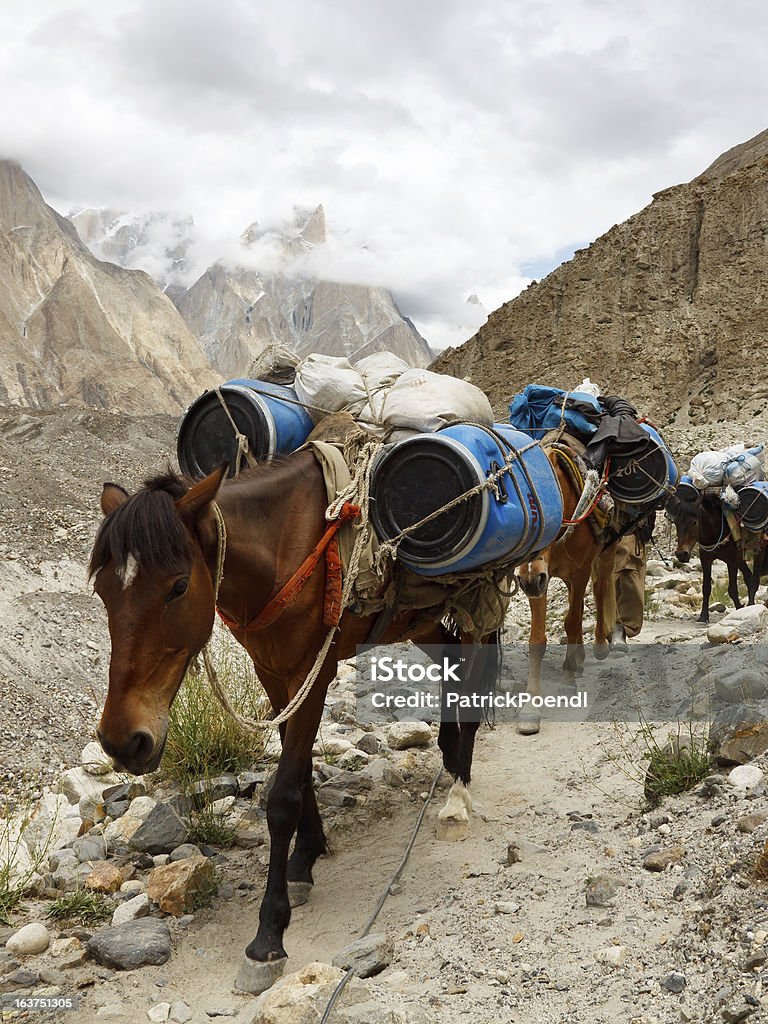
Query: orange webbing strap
x=333, y=583
x=272, y=611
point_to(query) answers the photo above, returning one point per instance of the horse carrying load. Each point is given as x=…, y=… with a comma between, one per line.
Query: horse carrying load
x=721, y=504
x=459, y=502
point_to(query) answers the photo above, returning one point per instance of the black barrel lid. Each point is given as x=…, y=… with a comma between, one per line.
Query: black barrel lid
x=415, y=478
x=638, y=478
x=206, y=438
x=754, y=507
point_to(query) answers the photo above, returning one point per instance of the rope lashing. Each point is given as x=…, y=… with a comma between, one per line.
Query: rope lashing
x=243, y=448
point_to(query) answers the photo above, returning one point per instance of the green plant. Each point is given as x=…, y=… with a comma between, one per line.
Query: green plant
x=203, y=740
x=663, y=762
x=80, y=905
x=20, y=858
x=203, y=897
x=211, y=827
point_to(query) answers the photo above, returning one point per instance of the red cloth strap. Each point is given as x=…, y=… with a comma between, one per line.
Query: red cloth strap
x=288, y=593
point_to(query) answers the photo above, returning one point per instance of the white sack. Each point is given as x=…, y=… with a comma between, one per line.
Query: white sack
x=707, y=469
x=426, y=401
x=329, y=384
x=746, y=468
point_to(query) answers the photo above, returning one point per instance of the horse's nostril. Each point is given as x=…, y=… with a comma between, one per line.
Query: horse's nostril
x=542, y=580
x=139, y=748
x=109, y=748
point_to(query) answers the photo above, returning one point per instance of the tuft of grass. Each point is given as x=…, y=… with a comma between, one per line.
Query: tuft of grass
x=204, y=896
x=675, y=767
x=662, y=763
x=760, y=866
x=203, y=741
x=21, y=859
x=211, y=827
x=82, y=907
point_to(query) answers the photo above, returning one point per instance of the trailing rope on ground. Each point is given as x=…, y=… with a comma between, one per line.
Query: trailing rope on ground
x=384, y=893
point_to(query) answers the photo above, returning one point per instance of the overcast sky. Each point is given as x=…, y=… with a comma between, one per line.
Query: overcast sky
x=457, y=147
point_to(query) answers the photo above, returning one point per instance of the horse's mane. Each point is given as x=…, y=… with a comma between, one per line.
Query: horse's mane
x=146, y=526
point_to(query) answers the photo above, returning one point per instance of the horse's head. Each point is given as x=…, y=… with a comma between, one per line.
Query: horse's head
x=158, y=590
x=534, y=575
x=686, y=516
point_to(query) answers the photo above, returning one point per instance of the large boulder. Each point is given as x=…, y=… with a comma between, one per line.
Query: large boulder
x=131, y=945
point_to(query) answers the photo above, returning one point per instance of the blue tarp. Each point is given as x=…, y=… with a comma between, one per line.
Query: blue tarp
x=537, y=409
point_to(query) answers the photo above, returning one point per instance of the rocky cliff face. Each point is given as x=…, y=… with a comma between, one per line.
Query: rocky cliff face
x=76, y=330
x=669, y=308
x=238, y=311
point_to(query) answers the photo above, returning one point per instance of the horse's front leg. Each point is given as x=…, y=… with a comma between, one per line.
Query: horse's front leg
x=706, y=588
x=574, y=624
x=733, y=582
x=453, y=820
x=751, y=577
x=265, y=957
x=529, y=719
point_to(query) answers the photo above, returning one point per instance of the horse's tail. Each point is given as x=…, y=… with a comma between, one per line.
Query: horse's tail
x=487, y=674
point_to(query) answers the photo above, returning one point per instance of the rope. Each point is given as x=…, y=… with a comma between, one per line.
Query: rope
x=385, y=892
x=243, y=449
x=714, y=547
x=358, y=485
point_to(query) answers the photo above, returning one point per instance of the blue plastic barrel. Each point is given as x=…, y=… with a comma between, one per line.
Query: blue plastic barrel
x=642, y=478
x=753, y=506
x=268, y=415
x=417, y=476
x=686, y=490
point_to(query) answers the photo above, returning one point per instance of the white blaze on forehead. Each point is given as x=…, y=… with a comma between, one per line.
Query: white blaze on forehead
x=127, y=572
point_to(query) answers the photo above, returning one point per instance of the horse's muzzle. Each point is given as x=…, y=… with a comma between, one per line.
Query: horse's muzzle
x=683, y=556
x=534, y=586
x=138, y=756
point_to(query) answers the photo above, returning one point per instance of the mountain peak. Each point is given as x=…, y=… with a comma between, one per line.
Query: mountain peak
x=738, y=157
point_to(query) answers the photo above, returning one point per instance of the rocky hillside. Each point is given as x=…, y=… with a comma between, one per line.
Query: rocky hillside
x=75, y=330
x=669, y=308
x=238, y=310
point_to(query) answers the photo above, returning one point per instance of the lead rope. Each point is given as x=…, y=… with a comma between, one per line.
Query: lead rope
x=253, y=725
x=385, y=892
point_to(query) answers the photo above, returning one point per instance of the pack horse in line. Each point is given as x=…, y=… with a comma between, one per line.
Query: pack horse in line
x=155, y=564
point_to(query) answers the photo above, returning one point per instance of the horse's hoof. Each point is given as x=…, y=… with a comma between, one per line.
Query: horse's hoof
x=299, y=893
x=601, y=651
x=452, y=830
x=528, y=725
x=256, y=976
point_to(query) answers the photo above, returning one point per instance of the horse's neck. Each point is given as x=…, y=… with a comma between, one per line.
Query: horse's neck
x=711, y=524
x=273, y=517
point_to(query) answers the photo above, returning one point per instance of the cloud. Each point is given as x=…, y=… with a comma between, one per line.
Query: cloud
x=452, y=145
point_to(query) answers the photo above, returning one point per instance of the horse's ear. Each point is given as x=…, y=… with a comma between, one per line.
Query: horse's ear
x=112, y=496
x=200, y=495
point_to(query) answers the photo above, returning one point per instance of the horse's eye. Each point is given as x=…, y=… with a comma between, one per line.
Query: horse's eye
x=178, y=588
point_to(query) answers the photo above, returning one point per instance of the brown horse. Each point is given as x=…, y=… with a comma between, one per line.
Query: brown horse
x=155, y=566
x=573, y=557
